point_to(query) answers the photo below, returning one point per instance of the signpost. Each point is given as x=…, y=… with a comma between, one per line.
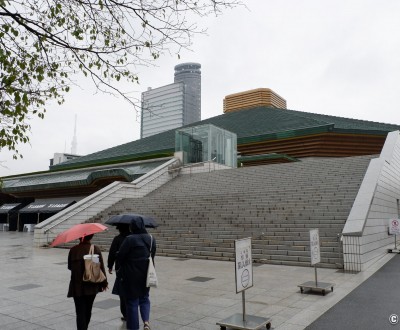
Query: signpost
x=394, y=229
x=315, y=259
x=315, y=251
x=244, y=281
x=243, y=265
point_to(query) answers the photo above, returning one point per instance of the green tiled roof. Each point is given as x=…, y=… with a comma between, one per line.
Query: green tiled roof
x=160, y=145
x=77, y=178
x=250, y=125
x=342, y=123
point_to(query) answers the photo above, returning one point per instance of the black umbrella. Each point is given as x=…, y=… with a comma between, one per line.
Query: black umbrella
x=149, y=222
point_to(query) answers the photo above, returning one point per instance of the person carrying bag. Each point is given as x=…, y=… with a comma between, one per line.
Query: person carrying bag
x=93, y=272
x=133, y=258
x=84, y=291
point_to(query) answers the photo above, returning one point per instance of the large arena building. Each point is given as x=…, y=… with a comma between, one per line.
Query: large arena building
x=263, y=172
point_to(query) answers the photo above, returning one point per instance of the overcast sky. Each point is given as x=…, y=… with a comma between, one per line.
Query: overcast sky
x=336, y=57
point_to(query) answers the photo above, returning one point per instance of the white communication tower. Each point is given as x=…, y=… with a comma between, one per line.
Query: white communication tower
x=74, y=144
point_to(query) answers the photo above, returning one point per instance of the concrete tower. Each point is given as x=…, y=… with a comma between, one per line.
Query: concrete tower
x=190, y=75
x=174, y=105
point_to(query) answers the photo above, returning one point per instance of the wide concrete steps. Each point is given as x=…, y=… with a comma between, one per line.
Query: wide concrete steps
x=201, y=215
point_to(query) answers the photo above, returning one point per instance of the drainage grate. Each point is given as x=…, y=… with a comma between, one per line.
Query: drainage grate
x=106, y=304
x=347, y=271
x=180, y=259
x=25, y=287
x=61, y=263
x=200, y=279
x=19, y=258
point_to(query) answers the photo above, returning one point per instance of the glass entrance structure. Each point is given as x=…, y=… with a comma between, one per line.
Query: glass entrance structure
x=206, y=143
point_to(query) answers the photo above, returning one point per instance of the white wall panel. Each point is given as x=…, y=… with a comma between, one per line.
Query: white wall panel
x=382, y=179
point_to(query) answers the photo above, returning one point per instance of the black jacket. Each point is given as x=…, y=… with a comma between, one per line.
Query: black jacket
x=76, y=264
x=114, y=248
x=133, y=256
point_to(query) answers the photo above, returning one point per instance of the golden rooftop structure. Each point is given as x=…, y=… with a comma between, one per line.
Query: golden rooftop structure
x=253, y=98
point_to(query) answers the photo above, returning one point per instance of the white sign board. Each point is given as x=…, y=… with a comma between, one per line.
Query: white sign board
x=243, y=264
x=314, y=247
x=394, y=226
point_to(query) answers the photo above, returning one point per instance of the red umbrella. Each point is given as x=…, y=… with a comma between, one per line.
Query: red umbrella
x=78, y=231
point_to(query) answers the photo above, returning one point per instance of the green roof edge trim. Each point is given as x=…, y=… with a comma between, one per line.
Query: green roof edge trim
x=287, y=134
x=113, y=172
x=115, y=160
x=244, y=159
x=360, y=131
x=307, y=131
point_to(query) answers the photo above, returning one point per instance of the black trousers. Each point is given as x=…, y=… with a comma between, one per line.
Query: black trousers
x=83, y=308
x=122, y=305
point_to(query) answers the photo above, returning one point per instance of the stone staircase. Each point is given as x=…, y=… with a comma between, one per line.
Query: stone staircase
x=201, y=215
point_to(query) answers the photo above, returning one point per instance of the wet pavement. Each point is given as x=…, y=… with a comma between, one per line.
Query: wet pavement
x=193, y=293
x=372, y=305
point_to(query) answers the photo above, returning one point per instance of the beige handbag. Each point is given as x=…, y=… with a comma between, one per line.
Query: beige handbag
x=93, y=272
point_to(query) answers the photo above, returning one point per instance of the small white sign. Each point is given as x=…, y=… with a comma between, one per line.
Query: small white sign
x=243, y=264
x=394, y=226
x=314, y=247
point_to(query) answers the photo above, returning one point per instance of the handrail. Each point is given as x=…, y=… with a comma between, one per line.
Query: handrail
x=85, y=202
x=103, y=193
x=179, y=168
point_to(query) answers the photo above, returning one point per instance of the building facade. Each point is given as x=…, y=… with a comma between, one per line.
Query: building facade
x=59, y=158
x=260, y=97
x=343, y=179
x=175, y=105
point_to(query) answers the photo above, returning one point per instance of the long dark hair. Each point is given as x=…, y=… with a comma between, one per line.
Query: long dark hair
x=86, y=238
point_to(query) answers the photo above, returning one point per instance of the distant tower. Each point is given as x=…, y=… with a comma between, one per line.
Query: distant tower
x=174, y=105
x=190, y=75
x=74, y=144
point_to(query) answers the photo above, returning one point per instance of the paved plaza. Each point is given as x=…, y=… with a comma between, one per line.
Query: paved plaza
x=192, y=293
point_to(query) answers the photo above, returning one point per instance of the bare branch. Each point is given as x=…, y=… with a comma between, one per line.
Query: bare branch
x=45, y=43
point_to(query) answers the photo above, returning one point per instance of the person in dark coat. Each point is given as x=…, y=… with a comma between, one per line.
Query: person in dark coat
x=83, y=293
x=112, y=255
x=133, y=256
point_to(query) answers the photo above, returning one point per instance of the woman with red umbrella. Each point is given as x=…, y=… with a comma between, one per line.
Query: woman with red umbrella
x=83, y=292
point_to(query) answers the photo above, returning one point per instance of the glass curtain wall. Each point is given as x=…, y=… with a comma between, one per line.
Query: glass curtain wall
x=206, y=143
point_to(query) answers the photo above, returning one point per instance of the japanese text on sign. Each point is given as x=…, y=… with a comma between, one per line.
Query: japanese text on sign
x=314, y=247
x=243, y=264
